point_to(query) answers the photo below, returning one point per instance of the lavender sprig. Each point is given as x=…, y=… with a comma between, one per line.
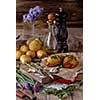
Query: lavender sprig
x=32, y=14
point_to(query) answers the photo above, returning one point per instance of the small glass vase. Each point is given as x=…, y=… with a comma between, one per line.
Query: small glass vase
x=28, y=30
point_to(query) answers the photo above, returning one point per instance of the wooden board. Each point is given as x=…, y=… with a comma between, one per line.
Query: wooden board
x=35, y=76
x=78, y=95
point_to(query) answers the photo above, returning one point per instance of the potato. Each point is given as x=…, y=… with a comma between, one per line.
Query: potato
x=39, y=41
x=61, y=56
x=41, y=53
x=24, y=48
x=28, y=41
x=35, y=45
x=18, y=54
x=25, y=59
x=53, y=60
x=31, y=53
x=70, y=61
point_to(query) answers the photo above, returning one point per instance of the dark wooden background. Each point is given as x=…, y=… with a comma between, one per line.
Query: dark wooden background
x=74, y=8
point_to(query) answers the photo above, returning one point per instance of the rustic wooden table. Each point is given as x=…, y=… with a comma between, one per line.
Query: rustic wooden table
x=77, y=95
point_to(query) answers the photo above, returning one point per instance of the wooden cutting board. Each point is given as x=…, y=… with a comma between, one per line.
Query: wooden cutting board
x=35, y=76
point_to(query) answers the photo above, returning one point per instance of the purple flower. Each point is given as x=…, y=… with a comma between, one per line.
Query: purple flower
x=27, y=86
x=32, y=14
x=31, y=11
x=28, y=18
x=37, y=87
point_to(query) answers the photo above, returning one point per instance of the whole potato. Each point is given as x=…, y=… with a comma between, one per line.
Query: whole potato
x=28, y=41
x=25, y=59
x=24, y=48
x=31, y=53
x=18, y=54
x=41, y=53
x=35, y=45
x=39, y=41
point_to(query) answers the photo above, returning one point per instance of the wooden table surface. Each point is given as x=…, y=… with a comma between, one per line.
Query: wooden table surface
x=77, y=95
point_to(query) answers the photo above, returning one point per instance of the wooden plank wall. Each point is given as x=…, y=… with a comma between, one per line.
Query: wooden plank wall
x=74, y=8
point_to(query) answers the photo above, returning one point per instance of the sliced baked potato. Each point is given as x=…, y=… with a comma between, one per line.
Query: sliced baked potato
x=70, y=61
x=53, y=60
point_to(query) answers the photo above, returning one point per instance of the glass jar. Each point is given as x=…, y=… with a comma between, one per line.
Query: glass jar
x=50, y=41
x=28, y=30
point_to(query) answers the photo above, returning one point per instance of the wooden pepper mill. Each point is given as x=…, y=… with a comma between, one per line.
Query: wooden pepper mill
x=62, y=33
